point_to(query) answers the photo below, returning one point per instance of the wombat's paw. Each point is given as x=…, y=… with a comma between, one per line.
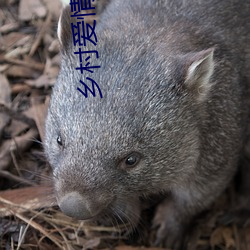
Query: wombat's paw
x=170, y=230
x=167, y=238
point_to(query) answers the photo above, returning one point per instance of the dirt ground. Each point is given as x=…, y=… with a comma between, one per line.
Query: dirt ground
x=29, y=217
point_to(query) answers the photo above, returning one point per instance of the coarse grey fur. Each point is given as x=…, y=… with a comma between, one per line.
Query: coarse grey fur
x=174, y=77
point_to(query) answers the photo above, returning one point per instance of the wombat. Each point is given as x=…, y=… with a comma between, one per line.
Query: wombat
x=174, y=76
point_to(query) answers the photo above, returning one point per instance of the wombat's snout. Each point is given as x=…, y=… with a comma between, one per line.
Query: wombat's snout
x=74, y=205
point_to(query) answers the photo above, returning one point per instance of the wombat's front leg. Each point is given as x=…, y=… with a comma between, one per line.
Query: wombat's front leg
x=171, y=224
x=174, y=214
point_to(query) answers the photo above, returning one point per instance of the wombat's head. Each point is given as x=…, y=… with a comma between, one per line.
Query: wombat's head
x=140, y=138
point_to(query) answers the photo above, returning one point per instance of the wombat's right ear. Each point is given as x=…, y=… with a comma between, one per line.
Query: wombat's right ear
x=64, y=32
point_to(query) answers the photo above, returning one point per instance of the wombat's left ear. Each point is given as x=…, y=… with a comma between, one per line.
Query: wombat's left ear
x=200, y=67
x=64, y=32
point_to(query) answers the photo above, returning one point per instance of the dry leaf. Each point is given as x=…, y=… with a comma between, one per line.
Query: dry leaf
x=5, y=100
x=222, y=236
x=9, y=41
x=6, y=28
x=22, y=199
x=22, y=71
x=28, y=9
x=54, y=7
x=217, y=237
x=137, y=248
x=228, y=237
x=39, y=112
x=19, y=144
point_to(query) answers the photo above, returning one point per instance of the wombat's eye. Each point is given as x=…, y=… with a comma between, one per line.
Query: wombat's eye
x=132, y=160
x=59, y=140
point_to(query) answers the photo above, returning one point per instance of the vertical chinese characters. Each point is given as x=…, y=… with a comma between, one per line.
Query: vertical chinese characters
x=84, y=33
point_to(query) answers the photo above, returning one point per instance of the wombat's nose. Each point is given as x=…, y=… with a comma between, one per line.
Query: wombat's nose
x=74, y=205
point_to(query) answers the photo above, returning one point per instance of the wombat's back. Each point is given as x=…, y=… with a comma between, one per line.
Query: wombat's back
x=226, y=21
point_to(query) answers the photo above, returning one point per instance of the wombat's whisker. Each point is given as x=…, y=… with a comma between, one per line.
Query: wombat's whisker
x=37, y=141
x=114, y=219
x=40, y=175
x=124, y=215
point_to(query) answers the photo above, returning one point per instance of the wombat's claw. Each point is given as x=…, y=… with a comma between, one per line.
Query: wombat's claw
x=166, y=238
x=170, y=227
x=169, y=233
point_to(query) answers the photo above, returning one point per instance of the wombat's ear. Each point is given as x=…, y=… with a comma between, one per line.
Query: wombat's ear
x=64, y=32
x=200, y=67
